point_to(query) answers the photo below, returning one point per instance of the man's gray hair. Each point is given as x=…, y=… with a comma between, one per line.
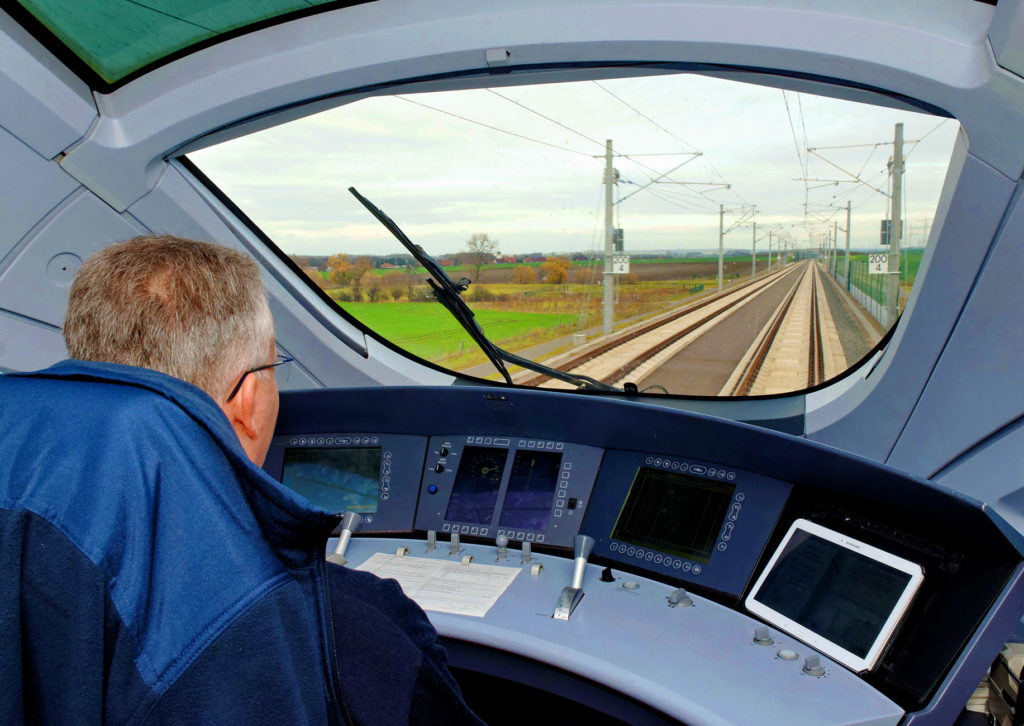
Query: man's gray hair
x=193, y=310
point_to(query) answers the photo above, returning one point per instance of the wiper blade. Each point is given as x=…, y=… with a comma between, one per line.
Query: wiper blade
x=449, y=294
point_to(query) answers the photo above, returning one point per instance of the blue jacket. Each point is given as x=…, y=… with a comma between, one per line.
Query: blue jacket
x=150, y=574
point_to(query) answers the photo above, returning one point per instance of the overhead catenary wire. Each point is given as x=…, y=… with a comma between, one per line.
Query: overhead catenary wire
x=493, y=128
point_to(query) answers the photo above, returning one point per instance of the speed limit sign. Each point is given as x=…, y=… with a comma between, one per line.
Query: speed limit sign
x=878, y=264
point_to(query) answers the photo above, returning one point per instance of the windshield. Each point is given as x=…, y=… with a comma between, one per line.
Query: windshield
x=677, y=233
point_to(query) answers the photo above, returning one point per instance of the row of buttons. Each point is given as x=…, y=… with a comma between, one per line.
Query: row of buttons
x=655, y=557
x=332, y=441
x=692, y=468
x=550, y=445
x=487, y=440
x=464, y=529
x=528, y=536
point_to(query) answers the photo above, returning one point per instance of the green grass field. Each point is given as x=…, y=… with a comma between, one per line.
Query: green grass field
x=429, y=331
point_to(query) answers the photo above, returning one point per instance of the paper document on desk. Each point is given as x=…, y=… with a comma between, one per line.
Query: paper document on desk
x=445, y=587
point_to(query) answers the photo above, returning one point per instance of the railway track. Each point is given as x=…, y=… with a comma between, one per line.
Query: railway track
x=636, y=351
x=750, y=369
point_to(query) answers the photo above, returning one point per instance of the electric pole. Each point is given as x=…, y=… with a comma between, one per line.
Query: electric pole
x=835, y=247
x=721, y=235
x=769, y=252
x=892, y=298
x=753, y=254
x=846, y=275
x=609, y=244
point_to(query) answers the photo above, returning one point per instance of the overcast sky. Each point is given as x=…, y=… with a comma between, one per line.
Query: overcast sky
x=534, y=184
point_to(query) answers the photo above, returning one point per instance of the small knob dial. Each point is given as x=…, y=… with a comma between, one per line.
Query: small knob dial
x=439, y=467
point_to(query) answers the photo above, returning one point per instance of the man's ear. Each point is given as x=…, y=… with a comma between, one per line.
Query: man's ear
x=242, y=409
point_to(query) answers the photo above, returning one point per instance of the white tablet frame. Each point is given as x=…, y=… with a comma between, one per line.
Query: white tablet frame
x=819, y=642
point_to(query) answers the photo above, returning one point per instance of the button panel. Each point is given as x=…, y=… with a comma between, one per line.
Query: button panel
x=566, y=487
x=748, y=505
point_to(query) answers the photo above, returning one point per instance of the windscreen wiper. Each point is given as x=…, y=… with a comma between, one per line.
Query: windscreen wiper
x=449, y=293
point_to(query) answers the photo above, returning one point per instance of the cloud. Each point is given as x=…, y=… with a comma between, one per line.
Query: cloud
x=525, y=164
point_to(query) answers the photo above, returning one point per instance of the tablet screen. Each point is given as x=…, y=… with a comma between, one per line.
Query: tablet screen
x=837, y=594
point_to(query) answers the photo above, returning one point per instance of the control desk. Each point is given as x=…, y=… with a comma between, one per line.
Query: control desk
x=653, y=561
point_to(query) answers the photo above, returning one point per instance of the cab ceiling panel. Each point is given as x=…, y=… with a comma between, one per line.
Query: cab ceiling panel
x=45, y=105
x=29, y=195
x=35, y=285
x=942, y=59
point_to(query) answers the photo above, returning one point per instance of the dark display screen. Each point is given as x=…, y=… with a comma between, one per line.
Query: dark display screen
x=531, y=490
x=841, y=595
x=674, y=513
x=475, y=491
x=336, y=479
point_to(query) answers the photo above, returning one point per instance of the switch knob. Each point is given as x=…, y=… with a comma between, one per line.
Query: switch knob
x=813, y=666
x=443, y=451
x=439, y=467
x=763, y=636
x=680, y=598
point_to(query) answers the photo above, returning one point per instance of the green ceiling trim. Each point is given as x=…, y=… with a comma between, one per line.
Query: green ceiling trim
x=116, y=38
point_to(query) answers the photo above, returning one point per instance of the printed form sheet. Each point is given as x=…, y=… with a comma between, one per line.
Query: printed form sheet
x=442, y=586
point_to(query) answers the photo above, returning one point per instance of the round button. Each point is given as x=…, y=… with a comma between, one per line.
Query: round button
x=631, y=585
x=787, y=654
x=740, y=496
x=697, y=569
x=432, y=489
x=649, y=556
x=614, y=546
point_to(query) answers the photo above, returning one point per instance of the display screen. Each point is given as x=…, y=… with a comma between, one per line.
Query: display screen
x=337, y=479
x=475, y=491
x=674, y=513
x=531, y=490
x=839, y=594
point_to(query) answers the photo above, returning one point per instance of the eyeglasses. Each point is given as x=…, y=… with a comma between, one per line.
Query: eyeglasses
x=281, y=360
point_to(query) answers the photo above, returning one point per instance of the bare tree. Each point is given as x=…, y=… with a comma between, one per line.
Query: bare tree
x=480, y=250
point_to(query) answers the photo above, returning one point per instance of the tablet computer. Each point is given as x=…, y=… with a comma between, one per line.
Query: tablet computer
x=843, y=597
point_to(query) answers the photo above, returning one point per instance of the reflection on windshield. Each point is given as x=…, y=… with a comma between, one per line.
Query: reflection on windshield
x=674, y=234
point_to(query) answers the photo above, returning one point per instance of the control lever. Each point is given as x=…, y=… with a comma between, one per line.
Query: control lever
x=502, y=542
x=571, y=595
x=527, y=553
x=349, y=524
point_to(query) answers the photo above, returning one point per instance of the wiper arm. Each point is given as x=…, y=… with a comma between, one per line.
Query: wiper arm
x=448, y=293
